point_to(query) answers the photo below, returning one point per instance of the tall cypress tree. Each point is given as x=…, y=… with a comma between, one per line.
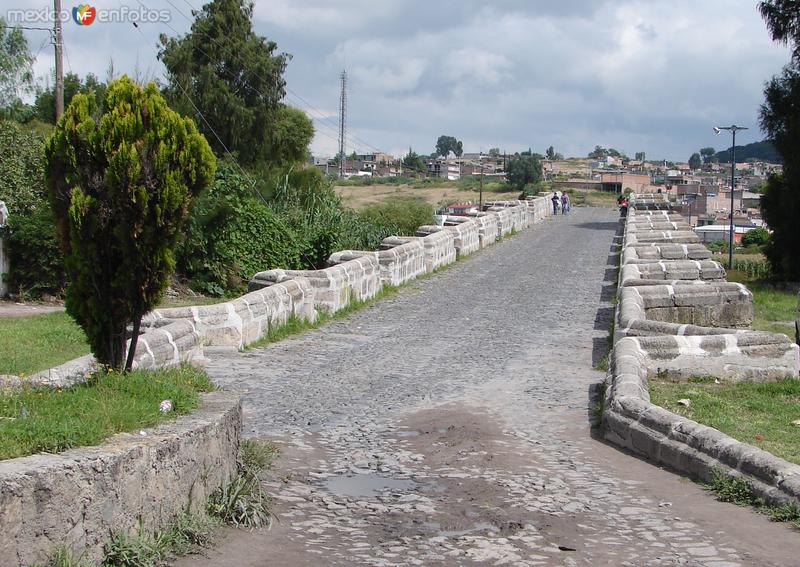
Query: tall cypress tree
x=121, y=178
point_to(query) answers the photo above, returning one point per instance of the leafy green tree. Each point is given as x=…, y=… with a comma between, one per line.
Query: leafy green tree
x=121, y=179
x=599, y=152
x=694, y=161
x=523, y=170
x=707, y=154
x=233, y=76
x=640, y=156
x=494, y=152
x=45, y=105
x=415, y=162
x=780, y=119
x=447, y=144
x=16, y=65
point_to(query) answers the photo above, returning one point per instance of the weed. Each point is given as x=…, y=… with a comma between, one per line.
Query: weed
x=599, y=403
x=735, y=489
x=138, y=549
x=243, y=502
x=602, y=364
x=188, y=533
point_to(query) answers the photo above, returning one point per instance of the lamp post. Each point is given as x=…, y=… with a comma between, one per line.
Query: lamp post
x=732, y=129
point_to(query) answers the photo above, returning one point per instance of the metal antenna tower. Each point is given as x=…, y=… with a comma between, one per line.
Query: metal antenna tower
x=342, y=125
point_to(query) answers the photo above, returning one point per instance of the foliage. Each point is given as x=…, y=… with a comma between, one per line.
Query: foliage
x=235, y=78
x=756, y=269
x=402, y=217
x=694, y=161
x=36, y=261
x=783, y=20
x=308, y=204
x=22, y=186
x=414, y=162
x=734, y=489
x=243, y=502
x=447, y=144
x=640, y=156
x=37, y=420
x=16, y=65
x=553, y=155
x=139, y=549
x=121, y=182
x=231, y=234
x=45, y=98
x=523, y=170
x=757, y=236
x=762, y=151
x=707, y=153
x=780, y=204
x=599, y=152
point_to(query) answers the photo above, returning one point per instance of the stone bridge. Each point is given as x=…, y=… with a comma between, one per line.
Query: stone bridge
x=452, y=423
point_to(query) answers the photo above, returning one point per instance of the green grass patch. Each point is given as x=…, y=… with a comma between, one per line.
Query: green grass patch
x=759, y=414
x=774, y=309
x=39, y=342
x=43, y=420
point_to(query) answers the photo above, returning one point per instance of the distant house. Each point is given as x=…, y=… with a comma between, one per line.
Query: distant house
x=444, y=169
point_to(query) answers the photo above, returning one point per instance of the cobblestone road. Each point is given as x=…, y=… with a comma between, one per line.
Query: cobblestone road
x=450, y=425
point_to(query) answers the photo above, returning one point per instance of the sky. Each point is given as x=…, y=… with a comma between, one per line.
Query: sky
x=652, y=76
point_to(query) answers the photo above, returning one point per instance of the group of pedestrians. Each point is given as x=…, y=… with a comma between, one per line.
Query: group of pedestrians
x=563, y=204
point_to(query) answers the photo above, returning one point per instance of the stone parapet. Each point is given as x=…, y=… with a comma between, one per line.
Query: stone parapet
x=78, y=497
x=676, y=318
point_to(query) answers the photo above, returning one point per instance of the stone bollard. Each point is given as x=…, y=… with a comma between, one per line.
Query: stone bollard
x=3, y=255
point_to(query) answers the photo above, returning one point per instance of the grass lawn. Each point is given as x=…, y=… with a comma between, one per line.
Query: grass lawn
x=39, y=342
x=774, y=309
x=44, y=420
x=742, y=410
x=593, y=198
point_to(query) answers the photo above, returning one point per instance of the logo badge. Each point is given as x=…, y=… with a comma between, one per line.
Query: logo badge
x=84, y=14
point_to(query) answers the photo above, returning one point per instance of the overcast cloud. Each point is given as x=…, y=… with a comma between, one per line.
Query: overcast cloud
x=651, y=76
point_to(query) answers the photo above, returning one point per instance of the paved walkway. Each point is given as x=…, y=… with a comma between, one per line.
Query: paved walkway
x=450, y=425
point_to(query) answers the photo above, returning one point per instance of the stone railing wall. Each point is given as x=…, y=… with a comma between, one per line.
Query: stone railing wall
x=77, y=497
x=174, y=335
x=3, y=254
x=677, y=317
x=277, y=295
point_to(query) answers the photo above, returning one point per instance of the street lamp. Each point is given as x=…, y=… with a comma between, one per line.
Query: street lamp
x=732, y=129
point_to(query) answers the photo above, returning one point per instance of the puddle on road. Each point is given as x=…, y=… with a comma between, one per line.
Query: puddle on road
x=366, y=485
x=478, y=527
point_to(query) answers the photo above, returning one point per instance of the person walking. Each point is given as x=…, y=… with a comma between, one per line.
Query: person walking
x=564, y=203
x=555, y=200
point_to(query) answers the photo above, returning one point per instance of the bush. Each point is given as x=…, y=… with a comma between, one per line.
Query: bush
x=22, y=165
x=758, y=236
x=36, y=261
x=231, y=234
x=404, y=215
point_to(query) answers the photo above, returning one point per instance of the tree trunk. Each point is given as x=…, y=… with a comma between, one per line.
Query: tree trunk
x=137, y=323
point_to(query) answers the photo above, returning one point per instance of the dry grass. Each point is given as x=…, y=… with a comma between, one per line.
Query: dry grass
x=360, y=197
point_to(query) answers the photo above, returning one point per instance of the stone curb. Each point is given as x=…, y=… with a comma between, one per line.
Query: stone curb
x=77, y=497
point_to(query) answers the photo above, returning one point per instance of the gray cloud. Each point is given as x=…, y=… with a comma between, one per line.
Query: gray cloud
x=639, y=76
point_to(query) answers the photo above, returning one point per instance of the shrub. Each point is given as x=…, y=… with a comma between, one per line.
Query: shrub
x=757, y=236
x=404, y=216
x=37, y=264
x=231, y=235
x=121, y=181
x=22, y=186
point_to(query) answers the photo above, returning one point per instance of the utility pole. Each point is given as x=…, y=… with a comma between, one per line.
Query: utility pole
x=59, y=62
x=342, y=125
x=480, y=193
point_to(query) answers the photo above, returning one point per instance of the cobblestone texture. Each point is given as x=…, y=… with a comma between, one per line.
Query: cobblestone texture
x=449, y=425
